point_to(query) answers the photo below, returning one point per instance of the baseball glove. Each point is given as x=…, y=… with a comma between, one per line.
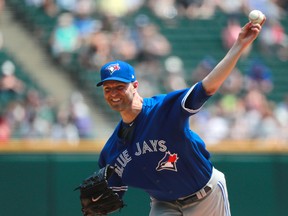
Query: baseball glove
x=96, y=197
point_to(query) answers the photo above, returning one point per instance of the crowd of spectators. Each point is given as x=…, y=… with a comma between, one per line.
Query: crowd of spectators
x=250, y=116
x=96, y=32
x=243, y=110
x=27, y=113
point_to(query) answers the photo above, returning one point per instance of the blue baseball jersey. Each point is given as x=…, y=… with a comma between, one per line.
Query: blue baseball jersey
x=163, y=156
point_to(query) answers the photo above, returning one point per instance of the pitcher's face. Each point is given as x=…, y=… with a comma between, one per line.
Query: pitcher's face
x=118, y=95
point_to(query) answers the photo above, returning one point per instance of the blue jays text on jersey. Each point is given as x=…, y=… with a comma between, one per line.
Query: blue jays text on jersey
x=163, y=157
x=124, y=158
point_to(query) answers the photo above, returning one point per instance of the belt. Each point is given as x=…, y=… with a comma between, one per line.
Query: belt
x=199, y=195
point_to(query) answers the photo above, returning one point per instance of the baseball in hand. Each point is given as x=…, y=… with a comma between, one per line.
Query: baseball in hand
x=256, y=16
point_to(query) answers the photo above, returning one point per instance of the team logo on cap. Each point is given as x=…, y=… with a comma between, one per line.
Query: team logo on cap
x=112, y=68
x=168, y=162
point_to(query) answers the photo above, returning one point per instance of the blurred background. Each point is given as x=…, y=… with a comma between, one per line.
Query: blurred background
x=54, y=121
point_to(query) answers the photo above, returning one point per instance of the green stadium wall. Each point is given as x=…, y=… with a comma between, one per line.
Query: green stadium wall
x=41, y=184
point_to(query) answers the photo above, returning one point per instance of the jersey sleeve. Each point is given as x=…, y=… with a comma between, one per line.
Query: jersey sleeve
x=114, y=182
x=195, y=98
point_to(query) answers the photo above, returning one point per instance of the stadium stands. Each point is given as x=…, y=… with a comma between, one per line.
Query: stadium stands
x=191, y=39
x=21, y=74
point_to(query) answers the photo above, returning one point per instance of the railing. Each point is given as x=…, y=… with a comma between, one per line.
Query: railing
x=88, y=146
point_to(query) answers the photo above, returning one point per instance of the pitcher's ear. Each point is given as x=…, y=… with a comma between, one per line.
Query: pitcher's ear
x=135, y=84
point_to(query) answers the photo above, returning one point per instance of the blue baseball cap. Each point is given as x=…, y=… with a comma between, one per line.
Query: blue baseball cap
x=118, y=71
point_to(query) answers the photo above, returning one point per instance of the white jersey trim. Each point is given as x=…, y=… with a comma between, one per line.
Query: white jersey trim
x=121, y=188
x=185, y=98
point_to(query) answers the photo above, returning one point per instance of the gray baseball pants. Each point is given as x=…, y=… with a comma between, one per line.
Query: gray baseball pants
x=213, y=204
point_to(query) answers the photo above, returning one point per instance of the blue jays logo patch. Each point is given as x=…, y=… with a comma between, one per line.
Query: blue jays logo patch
x=168, y=162
x=112, y=68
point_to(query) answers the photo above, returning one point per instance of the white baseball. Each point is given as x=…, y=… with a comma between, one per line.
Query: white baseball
x=256, y=16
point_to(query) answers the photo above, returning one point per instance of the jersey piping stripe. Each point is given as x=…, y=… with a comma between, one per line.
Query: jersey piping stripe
x=226, y=204
x=184, y=100
x=122, y=188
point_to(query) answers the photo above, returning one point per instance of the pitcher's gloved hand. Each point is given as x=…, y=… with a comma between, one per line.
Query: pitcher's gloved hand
x=97, y=198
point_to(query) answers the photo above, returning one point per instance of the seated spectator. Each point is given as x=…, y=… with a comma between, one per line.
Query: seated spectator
x=229, y=104
x=153, y=44
x=97, y=51
x=149, y=74
x=197, y=9
x=216, y=126
x=5, y=130
x=122, y=44
x=15, y=114
x=258, y=119
x=11, y=87
x=66, y=5
x=38, y=116
x=230, y=33
x=239, y=124
x=259, y=77
x=281, y=114
x=118, y=8
x=81, y=116
x=84, y=8
x=203, y=68
x=64, y=129
x=270, y=8
x=174, y=77
x=269, y=127
x=233, y=84
x=85, y=27
x=273, y=38
x=83, y=19
x=64, y=39
x=34, y=3
x=234, y=9
x=50, y=8
x=164, y=9
x=248, y=115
